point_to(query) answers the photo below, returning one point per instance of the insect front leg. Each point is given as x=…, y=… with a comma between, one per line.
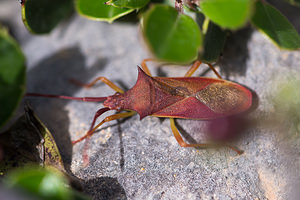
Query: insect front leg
x=107, y=119
x=203, y=145
x=92, y=129
x=101, y=78
x=97, y=114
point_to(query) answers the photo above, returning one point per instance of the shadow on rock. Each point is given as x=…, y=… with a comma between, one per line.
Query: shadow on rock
x=51, y=76
x=235, y=53
x=104, y=188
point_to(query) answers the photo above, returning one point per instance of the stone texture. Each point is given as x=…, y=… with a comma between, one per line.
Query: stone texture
x=133, y=159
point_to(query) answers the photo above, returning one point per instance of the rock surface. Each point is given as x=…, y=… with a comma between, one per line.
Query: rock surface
x=133, y=159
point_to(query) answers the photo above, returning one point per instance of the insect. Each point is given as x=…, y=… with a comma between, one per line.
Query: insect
x=185, y=97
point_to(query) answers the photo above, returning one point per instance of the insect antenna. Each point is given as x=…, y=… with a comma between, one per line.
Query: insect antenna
x=87, y=99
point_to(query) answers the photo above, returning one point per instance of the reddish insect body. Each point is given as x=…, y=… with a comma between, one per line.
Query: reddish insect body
x=182, y=97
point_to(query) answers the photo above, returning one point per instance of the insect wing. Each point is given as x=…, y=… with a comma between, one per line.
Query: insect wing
x=212, y=99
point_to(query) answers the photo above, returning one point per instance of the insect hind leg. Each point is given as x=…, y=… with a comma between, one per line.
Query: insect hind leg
x=182, y=143
x=101, y=78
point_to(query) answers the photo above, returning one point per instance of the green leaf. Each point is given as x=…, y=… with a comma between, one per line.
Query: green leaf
x=214, y=41
x=272, y=23
x=41, y=16
x=171, y=36
x=98, y=10
x=12, y=76
x=230, y=14
x=128, y=3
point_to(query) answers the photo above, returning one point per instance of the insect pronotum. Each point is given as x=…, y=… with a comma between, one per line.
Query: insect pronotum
x=185, y=97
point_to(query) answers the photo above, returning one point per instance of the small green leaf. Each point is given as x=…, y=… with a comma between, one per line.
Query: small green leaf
x=272, y=23
x=231, y=14
x=214, y=41
x=12, y=76
x=129, y=3
x=41, y=16
x=98, y=10
x=171, y=36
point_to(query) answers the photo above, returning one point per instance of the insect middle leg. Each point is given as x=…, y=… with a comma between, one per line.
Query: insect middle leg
x=196, y=65
x=107, y=119
x=101, y=78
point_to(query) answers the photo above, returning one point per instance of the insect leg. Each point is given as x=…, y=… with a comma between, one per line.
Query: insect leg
x=214, y=70
x=179, y=138
x=196, y=65
x=103, y=79
x=107, y=119
x=204, y=145
x=145, y=67
x=193, y=68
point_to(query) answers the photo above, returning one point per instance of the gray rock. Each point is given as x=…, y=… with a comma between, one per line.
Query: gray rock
x=133, y=159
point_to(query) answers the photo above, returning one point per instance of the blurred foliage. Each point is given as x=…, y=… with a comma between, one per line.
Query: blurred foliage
x=12, y=75
x=41, y=16
x=286, y=101
x=42, y=183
